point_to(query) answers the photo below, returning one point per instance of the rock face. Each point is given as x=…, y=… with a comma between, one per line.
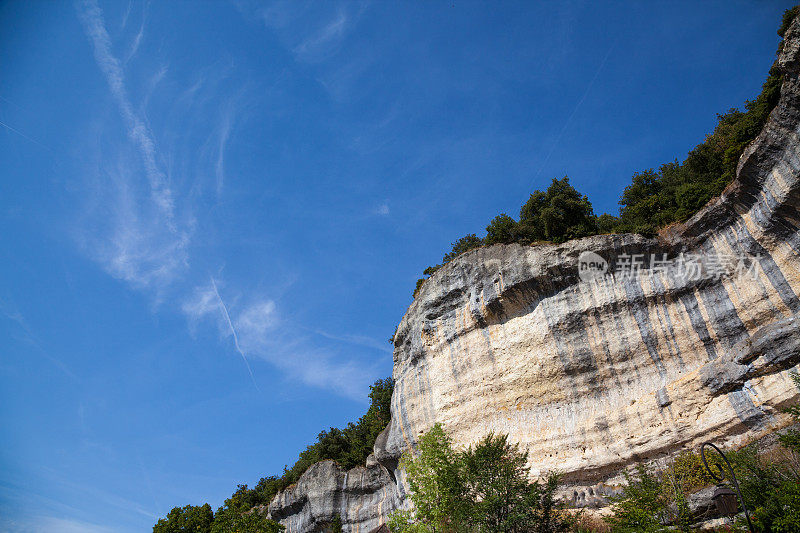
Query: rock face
x=591, y=374
x=361, y=497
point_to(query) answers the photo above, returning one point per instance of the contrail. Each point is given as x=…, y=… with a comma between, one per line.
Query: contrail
x=34, y=141
x=577, y=106
x=233, y=331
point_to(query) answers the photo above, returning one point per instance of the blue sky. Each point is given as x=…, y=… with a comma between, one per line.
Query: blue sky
x=212, y=214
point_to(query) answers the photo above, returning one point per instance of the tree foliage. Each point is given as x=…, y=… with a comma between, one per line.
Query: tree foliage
x=678, y=190
x=791, y=438
x=640, y=507
x=558, y=214
x=482, y=489
x=239, y=514
x=502, y=229
x=788, y=17
x=434, y=480
x=654, y=199
x=464, y=244
x=773, y=489
x=191, y=518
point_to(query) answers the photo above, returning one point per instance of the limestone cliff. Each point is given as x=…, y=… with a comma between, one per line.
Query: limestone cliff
x=361, y=497
x=593, y=375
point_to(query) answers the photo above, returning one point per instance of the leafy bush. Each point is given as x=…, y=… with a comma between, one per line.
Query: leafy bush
x=641, y=506
x=558, y=214
x=434, y=479
x=771, y=488
x=788, y=17
x=791, y=438
x=502, y=229
x=464, y=244
x=237, y=515
x=482, y=489
x=191, y=518
x=678, y=190
x=349, y=446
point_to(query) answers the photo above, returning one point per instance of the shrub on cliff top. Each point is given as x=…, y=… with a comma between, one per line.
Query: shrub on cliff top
x=197, y=519
x=654, y=198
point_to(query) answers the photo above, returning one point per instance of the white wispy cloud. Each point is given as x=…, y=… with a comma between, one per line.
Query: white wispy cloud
x=358, y=340
x=202, y=304
x=126, y=14
x=256, y=322
x=127, y=234
x=324, y=41
x=94, y=25
x=224, y=133
x=258, y=331
x=229, y=322
x=145, y=245
x=135, y=224
x=382, y=209
x=286, y=348
x=31, y=338
x=311, y=32
x=48, y=524
x=137, y=40
x=152, y=85
x=56, y=516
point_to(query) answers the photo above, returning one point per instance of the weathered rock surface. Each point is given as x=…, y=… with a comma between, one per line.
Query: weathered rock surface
x=362, y=497
x=701, y=506
x=593, y=376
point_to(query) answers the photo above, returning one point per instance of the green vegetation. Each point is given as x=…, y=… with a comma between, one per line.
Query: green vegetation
x=641, y=506
x=559, y=214
x=656, y=499
x=190, y=518
x=237, y=514
x=653, y=200
x=348, y=447
x=482, y=489
x=772, y=487
x=788, y=17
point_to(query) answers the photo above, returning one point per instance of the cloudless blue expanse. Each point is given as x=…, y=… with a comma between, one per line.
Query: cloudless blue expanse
x=212, y=214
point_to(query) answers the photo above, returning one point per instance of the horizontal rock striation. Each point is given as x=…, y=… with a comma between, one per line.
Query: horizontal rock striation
x=593, y=374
